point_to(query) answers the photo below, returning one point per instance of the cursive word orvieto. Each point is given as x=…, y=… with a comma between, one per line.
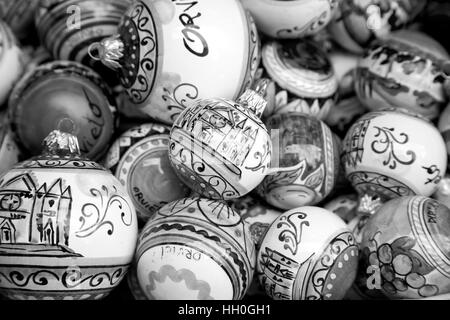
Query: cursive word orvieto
x=192, y=38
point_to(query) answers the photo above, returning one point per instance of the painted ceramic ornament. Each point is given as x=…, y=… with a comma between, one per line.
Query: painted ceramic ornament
x=11, y=61
x=220, y=148
x=389, y=154
x=19, y=15
x=283, y=19
x=307, y=154
x=304, y=78
x=139, y=159
x=68, y=27
x=60, y=94
x=170, y=53
x=9, y=151
x=408, y=240
x=406, y=70
x=68, y=227
x=256, y=214
x=358, y=22
x=344, y=206
x=308, y=253
x=195, y=249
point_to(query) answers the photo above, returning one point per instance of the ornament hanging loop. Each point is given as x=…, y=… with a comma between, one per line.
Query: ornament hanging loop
x=109, y=51
x=61, y=144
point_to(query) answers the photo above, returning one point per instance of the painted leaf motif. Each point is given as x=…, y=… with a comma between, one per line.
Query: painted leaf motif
x=419, y=264
x=316, y=178
x=404, y=243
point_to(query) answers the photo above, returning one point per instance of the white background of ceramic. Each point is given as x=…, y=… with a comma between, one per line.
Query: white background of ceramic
x=272, y=16
x=221, y=73
x=424, y=139
x=323, y=227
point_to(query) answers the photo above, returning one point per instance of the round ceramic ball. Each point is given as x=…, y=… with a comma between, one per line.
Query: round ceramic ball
x=220, y=149
x=67, y=96
x=308, y=253
x=304, y=77
x=394, y=153
x=175, y=52
x=405, y=70
x=68, y=27
x=195, y=249
x=407, y=239
x=359, y=22
x=306, y=153
x=69, y=229
x=291, y=19
x=139, y=159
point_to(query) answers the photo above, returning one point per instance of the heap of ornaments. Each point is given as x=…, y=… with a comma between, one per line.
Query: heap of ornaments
x=210, y=149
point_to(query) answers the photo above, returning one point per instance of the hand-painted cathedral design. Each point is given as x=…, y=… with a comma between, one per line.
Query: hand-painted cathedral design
x=42, y=213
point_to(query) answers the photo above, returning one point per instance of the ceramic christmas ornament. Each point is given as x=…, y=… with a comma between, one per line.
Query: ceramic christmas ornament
x=170, y=53
x=64, y=95
x=11, y=61
x=358, y=22
x=408, y=240
x=258, y=215
x=220, y=148
x=68, y=27
x=291, y=19
x=304, y=78
x=19, y=15
x=9, y=151
x=195, y=249
x=307, y=153
x=394, y=153
x=406, y=69
x=139, y=159
x=307, y=254
x=344, y=206
x=68, y=227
